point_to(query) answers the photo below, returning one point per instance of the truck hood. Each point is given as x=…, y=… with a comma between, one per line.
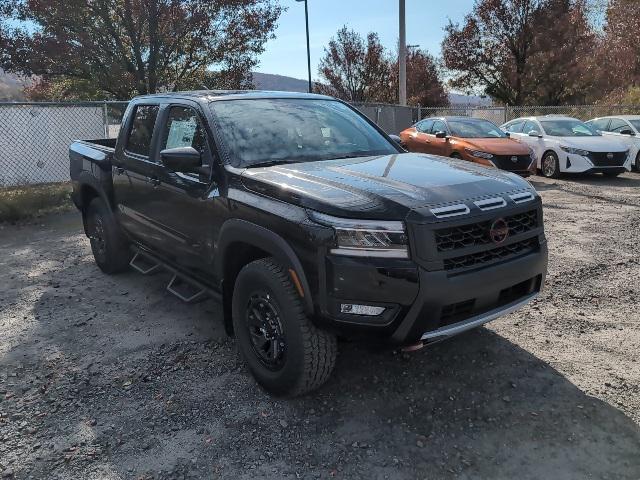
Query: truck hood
x=593, y=144
x=379, y=187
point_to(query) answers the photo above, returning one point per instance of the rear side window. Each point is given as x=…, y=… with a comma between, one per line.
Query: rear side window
x=144, y=119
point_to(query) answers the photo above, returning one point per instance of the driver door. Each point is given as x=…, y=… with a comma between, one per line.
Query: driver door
x=185, y=215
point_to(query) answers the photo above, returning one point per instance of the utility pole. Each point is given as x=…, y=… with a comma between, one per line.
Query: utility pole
x=306, y=20
x=402, y=54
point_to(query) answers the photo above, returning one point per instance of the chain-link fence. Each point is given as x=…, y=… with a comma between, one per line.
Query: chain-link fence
x=35, y=137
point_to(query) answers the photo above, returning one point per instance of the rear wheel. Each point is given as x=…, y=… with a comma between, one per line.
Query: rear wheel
x=108, y=244
x=284, y=351
x=550, y=165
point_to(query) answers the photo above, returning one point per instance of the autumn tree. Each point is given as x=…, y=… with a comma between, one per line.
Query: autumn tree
x=520, y=51
x=119, y=48
x=424, y=86
x=559, y=68
x=355, y=69
x=618, y=52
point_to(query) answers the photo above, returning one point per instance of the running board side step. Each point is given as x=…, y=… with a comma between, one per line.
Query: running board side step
x=185, y=290
x=181, y=285
x=144, y=264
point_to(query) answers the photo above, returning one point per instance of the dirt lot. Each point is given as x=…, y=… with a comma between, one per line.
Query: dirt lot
x=111, y=377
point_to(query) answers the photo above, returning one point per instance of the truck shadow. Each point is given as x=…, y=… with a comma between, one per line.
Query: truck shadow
x=138, y=383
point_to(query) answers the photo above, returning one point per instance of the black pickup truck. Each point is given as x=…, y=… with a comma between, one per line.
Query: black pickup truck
x=308, y=223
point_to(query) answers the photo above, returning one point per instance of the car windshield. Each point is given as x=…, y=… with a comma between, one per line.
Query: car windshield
x=636, y=124
x=568, y=128
x=475, y=129
x=273, y=130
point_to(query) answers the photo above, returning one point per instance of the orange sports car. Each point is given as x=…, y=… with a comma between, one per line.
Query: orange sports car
x=473, y=139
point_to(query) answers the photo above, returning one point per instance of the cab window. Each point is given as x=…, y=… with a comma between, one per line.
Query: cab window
x=144, y=119
x=184, y=129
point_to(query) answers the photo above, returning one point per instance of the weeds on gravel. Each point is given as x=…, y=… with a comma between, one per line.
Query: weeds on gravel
x=26, y=201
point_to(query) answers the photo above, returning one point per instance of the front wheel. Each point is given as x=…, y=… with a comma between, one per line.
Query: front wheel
x=285, y=352
x=550, y=165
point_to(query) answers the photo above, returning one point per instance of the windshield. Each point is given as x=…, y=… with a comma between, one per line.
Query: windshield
x=273, y=130
x=635, y=123
x=568, y=128
x=475, y=129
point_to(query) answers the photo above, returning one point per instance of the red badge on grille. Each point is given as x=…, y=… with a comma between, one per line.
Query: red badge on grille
x=499, y=230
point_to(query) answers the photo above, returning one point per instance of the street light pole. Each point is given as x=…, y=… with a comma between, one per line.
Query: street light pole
x=402, y=54
x=306, y=19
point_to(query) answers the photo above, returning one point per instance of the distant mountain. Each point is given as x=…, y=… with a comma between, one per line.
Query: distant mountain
x=459, y=99
x=270, y=81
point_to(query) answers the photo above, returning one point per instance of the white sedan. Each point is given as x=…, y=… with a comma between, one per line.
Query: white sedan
x=625, y=128
x=564, y=144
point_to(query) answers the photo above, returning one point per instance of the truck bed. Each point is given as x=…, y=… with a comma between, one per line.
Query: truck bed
x=90, y=165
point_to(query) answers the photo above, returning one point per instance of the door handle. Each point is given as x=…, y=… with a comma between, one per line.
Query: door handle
x=119, y=170
x=154, y=181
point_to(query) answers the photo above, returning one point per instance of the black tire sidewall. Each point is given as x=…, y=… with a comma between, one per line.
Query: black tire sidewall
x=255, y=278
x=116, y=256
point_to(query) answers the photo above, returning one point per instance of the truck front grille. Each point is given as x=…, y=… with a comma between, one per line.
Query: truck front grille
x=498, y=253
x=476, y=234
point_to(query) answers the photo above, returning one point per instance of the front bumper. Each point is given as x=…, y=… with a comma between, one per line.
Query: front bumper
x=426, y=305
x=573, y=163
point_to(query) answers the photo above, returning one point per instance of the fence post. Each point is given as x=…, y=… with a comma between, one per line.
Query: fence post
x=105, y=119
x=505, y=114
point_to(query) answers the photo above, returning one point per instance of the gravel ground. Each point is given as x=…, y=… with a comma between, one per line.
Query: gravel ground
x=111, y=377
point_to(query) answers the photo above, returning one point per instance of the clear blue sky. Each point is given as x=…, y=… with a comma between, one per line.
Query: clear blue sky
x=286, y=55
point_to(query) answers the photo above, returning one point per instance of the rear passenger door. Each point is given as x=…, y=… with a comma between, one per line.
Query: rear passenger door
x=133, y=171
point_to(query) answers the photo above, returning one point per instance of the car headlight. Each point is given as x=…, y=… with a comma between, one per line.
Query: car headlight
x=479, y=153
x=365, y=238
x=575, y=151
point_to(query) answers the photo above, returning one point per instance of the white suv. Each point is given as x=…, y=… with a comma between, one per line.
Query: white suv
x=625, y=128
x=565, y=144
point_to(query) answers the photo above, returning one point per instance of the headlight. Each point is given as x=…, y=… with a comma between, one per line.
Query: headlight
x=365, y=238
x=479, y=154
x=575, y=151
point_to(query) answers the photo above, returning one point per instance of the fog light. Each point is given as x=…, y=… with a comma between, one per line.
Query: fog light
x=369, y=310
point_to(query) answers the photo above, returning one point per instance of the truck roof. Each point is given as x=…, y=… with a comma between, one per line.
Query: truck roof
x=212, y=95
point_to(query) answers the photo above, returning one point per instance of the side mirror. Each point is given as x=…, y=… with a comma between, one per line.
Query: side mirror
x=535, y=133
x=441, y=134
x=627, y=132
x=182, y=159
x=396, y=139
x=508, y=134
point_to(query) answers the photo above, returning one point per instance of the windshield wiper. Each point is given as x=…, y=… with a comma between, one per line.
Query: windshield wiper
x=271, y=163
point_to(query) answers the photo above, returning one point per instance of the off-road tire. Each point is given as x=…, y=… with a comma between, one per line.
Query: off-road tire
x=550, y=171
x=108, y=243
x=309, y=353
